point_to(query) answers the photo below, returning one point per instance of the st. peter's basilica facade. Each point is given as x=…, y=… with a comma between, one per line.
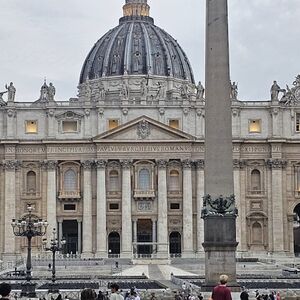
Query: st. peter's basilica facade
x=119, y=171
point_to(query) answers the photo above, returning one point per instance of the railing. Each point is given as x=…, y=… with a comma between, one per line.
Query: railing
x=144, y=194
x=113, y=255
x=69, y=194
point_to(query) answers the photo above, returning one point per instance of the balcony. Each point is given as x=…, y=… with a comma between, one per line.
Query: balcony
x=148, y=194
x=69, y=196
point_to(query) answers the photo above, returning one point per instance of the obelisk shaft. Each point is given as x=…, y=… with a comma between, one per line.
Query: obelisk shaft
x=218, y=126
x=219, y=224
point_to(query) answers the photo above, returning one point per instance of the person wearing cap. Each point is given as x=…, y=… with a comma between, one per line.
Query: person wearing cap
x=221, y=291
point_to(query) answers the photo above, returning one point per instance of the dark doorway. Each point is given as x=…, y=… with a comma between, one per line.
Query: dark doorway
x=70, y=233
x=175, y=242
x=144, y=235
x=297, y=230
x=114, y=243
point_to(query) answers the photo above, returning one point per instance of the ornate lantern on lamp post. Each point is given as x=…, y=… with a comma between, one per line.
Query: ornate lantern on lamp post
x=54, y=247
x=29, y=227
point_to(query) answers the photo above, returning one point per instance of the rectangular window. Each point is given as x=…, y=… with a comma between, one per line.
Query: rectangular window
x=174, y=206
x=174, y=123
x=254, y=126
x=31, y=127
x=113, y=123
x=114, y=206
x=70, y=207
x=69, y=126
x=298, y=122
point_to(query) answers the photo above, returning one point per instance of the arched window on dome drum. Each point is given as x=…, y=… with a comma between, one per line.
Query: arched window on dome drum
x=174, y=181
x=255, y=181
x=113, y=181
x=144, y=180
x=257, y=233
x=31, y=182
x=70, y=181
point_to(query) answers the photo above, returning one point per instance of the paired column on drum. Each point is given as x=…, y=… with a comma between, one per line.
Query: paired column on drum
x=162, y=208
x=126, y=210
x=187, y=210
x=87, y=208
x=199, y=199
x=10, y=167
x=101, y=250
x=51, y=166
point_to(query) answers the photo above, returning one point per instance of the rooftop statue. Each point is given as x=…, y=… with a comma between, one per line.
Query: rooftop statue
x=11, y=90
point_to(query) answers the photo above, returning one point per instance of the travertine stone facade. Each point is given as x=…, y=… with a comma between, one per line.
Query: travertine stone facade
x=119, y=171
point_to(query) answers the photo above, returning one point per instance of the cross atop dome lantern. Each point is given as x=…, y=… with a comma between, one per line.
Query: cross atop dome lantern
x=136, y=8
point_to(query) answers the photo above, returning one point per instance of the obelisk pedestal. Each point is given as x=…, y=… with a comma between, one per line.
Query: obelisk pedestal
x=219, y=211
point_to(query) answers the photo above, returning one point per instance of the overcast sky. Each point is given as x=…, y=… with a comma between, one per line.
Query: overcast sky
x=51, y=39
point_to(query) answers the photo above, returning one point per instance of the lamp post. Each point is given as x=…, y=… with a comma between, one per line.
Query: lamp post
x=54, y=247
x=29, y=227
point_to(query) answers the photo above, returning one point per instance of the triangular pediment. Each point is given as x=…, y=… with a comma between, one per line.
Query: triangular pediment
x=144, y=129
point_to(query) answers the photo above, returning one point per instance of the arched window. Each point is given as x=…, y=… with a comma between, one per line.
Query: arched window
x=174, y=180
x=31, y=182
x=114, y=180
x=255, y=180
x=257, y=234
x=144, y=180
x=70, y=181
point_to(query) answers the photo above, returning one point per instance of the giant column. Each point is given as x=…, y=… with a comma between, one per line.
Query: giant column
x=101, y=233
x=87, y=221
x=126, y=251
x=187, y=208
x=219, y=212
x=162, y=210
x=51, y=166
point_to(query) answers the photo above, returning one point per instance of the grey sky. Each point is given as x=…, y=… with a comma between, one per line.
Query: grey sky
x=51, y=38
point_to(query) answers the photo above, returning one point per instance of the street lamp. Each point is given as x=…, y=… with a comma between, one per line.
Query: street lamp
x=54, y=247
x=29, y=227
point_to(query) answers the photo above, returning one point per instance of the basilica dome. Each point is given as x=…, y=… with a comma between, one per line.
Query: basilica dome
x=136, y=47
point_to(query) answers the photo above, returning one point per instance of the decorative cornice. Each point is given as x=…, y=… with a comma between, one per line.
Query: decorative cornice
x=161, y=163
x=276, y=163
x=87, y=164
x=100, y=163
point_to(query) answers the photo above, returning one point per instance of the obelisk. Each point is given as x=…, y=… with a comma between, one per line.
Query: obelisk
x=219, y=212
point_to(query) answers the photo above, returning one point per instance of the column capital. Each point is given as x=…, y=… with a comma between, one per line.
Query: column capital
x=49, y=164
x=239, y=163
x=11, y=165
x=161, y=163
x=100, y=163
x=276, y=163
x=87, y=164
x=187, y=164
x=200, y=164
x=126, y=163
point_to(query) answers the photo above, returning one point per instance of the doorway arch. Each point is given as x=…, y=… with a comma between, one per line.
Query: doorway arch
x=175, y=243
x=297, y=230
x=114, y=243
